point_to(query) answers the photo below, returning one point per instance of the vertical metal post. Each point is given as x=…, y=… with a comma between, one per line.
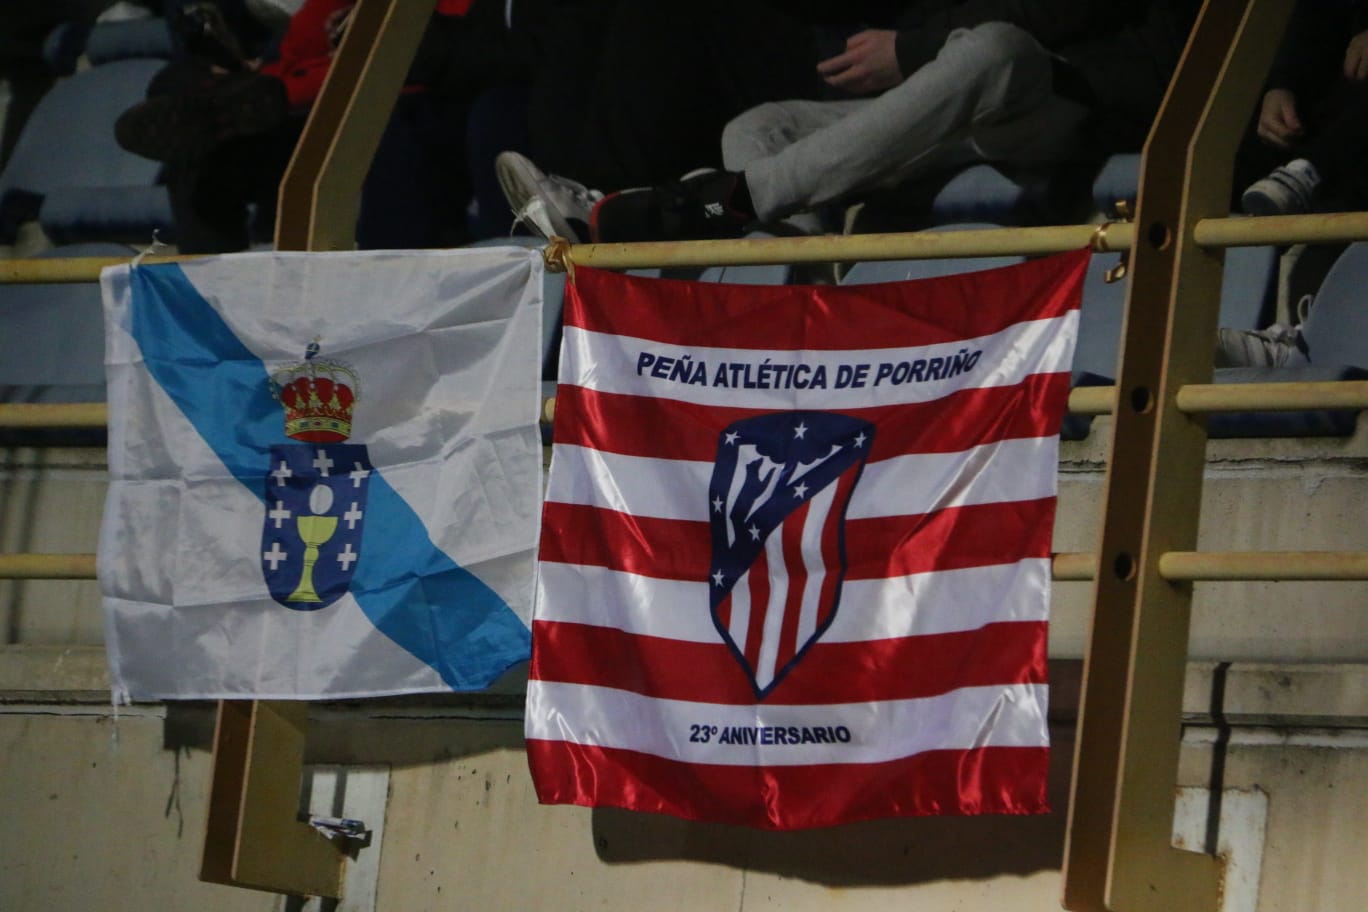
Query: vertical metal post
x=1118, y=854
x=254, y=837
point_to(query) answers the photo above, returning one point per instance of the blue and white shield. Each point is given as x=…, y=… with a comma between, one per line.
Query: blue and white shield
x=315, y=508
x=777, y=506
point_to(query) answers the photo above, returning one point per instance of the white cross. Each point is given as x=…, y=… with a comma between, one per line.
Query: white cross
x=347, y=557
x=357, y=474
x=353, y=515
x=274, y=556
x=279, y=514
x=322, y=463
x=282, y=473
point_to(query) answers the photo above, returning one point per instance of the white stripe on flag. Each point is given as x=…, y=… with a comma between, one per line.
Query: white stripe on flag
x=964, y=719
x=945, y=601
x=608, y=363
x=1009, y=470
x=780, y=579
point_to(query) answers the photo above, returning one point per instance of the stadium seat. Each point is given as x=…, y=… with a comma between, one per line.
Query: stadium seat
x=68, y=172
x=764, y=274
x=1246, y=291
x=1336, y=336
x=1336, y=329
x=977, y=194
x=1117, y=181
x=866, y=272
x=104, y=42
x=52, y=345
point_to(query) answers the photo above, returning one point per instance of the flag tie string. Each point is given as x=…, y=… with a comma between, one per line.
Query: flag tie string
x=557, y=257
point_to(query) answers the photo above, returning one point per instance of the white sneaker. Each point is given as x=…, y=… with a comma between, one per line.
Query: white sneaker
x=1277, y=346
x=1289, y=190
x=551, y=205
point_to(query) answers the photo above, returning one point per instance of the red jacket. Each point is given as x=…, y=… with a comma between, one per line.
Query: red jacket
x=307, y=49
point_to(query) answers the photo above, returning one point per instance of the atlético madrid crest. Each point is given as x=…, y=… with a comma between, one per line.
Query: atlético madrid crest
x=315, y=489
x=778, y=497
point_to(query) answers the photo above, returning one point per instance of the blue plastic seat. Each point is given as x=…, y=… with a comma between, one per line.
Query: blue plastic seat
x=1336, y=329
x=867, y=272
x=1117, y=181
x=52, y=346
x=762, y=274
x=69, y=173
x=1246, y=290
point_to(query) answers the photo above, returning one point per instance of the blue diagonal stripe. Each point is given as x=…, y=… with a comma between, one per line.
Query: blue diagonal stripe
x=411, y=590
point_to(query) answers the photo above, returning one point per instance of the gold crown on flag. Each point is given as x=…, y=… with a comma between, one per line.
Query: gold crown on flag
x=318, y=397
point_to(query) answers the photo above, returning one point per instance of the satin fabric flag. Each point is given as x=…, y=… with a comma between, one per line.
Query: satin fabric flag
x=325, y=473
x=795, y=553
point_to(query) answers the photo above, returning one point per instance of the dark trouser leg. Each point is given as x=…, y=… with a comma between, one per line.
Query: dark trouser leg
x=416, y=191
x=212, y=199
x=668, y=79
x=1338, y=146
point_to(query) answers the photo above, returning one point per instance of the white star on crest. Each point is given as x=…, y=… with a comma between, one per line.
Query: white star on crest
x=718, y=577
x=730, y=438
x=800, y=490
x=717, y=505
x=800, y=430
x=860, y=439
x=755, y=533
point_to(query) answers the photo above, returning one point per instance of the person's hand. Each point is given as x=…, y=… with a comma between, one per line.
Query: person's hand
x=1356, y=58
x=1278, y=120
x=868, y=64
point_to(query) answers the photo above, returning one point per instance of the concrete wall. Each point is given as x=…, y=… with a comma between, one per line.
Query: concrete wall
x=108, y=813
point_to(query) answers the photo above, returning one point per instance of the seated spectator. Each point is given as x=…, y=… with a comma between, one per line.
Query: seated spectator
x=1020, y=81
x=625, y=93
x=226, y=129
x=1313, y=120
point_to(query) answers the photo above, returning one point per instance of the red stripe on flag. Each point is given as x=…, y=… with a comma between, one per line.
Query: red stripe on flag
x=827, y=318
x=903, y=668
x=971, y=536
x=994, y=780
x=668, y=429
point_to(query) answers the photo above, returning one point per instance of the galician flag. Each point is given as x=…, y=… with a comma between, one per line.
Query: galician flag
x=795, y=553
x=325, y=473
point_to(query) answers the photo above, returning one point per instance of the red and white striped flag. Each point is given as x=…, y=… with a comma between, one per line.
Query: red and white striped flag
x=795, y=557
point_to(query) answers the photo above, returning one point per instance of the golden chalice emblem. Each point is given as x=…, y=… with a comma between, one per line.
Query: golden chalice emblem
x=314, y=530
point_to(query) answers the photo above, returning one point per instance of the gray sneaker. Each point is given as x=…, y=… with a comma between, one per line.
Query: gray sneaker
x=1289, y=190
x=551, y=205
x=1276, y=346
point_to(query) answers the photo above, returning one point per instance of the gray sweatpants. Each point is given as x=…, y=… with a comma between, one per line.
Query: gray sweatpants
x=985, y=97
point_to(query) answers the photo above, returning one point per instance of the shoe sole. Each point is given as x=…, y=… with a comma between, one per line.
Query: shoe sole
x=520, y=181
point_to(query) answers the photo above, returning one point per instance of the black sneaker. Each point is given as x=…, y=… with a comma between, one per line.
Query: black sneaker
x=699, y=206
x=187, y=125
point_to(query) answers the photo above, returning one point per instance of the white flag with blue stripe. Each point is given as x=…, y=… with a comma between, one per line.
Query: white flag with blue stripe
x=325, y=472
